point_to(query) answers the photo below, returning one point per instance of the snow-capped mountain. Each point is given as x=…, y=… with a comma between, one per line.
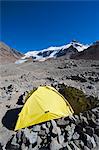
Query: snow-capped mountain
x=53, y=52
x=91, y=52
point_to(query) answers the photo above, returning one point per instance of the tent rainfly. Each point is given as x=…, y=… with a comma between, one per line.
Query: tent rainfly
x=46, y=103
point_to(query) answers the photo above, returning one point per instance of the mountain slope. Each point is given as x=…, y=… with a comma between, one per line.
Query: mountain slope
x=91, y=52
x=8, y=54
x=53, y=52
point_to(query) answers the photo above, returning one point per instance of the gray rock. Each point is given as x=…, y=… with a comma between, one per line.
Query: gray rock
x=75, y=136
x=86, y=148
x=23, y=147
x=61, y=139
x=39, y=140
x=62, y=122
x=31, y=136
x=36, y=128
x=51, y=135
x=19, y=134
x=96, y=140
x=56, y=129
x=55, y=145
x=70, y=131
x=14, y=141
x=90, y=142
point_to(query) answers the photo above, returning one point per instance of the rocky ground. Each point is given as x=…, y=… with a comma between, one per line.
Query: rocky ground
x=76, y=132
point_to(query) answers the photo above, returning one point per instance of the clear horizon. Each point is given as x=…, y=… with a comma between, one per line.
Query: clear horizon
x=37, y=25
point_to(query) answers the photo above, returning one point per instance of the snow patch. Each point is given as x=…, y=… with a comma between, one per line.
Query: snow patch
x=20, y=61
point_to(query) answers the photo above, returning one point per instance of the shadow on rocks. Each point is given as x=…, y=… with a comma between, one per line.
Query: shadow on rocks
x=1, y=147
x=20, y=100
x=10, y=118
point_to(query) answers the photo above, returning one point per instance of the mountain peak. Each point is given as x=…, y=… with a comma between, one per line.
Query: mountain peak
x=74, y=41
x=55, y=51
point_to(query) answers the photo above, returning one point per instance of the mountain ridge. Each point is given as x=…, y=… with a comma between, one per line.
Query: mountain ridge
x=72, y=50
x=8, y=54
x=55, y=51
x=91, y=52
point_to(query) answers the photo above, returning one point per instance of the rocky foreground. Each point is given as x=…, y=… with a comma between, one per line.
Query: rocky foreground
x=77, y=132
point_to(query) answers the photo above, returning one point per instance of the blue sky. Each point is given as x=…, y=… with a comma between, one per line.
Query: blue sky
x=34, y=25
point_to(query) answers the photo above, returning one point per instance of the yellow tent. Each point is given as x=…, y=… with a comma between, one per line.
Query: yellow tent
x=44, y=104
